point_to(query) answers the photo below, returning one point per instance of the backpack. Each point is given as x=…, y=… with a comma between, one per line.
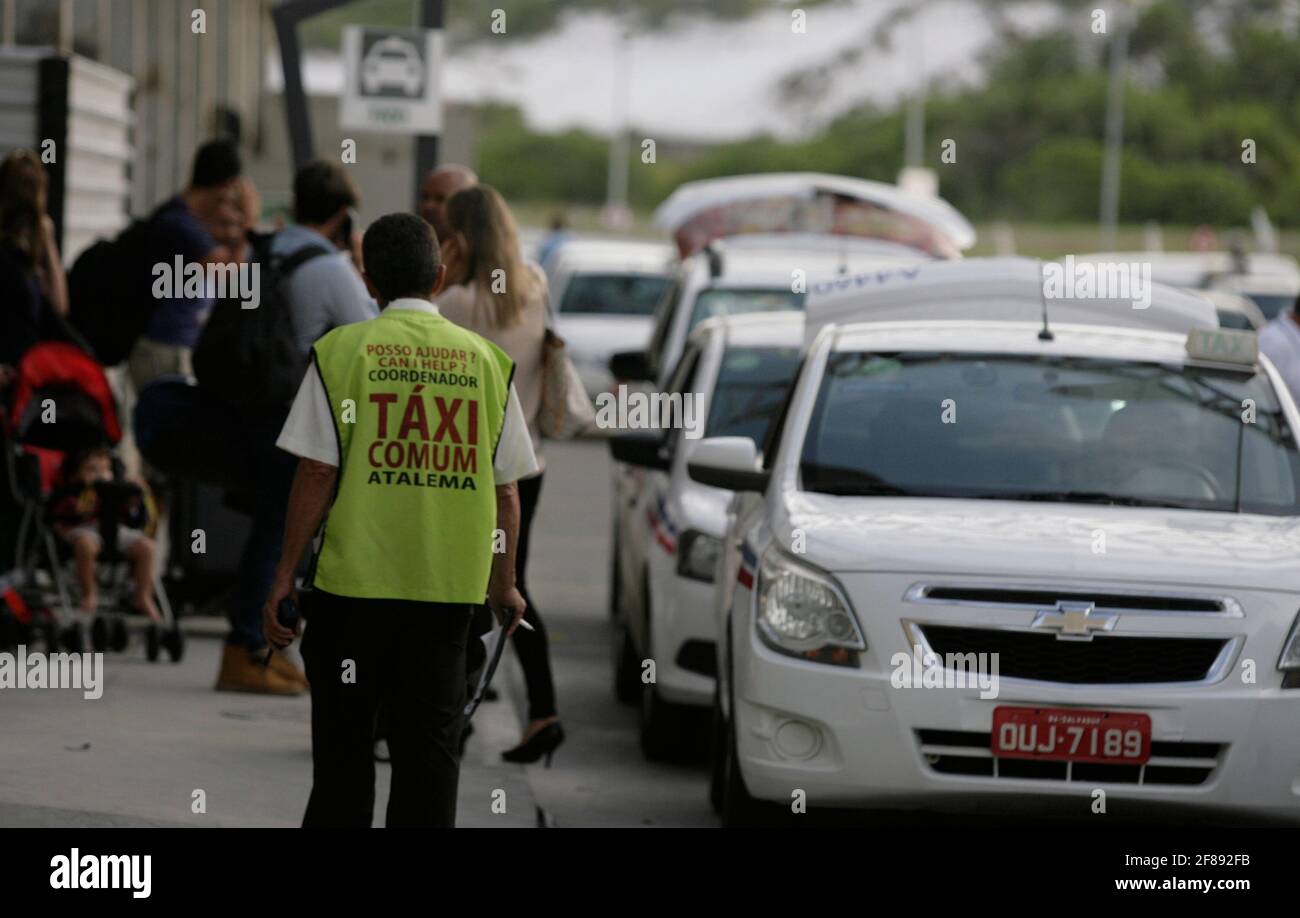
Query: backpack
x=250, y=357
x=109, y=291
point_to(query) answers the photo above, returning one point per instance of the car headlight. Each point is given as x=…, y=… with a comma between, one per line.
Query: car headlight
x=1289, y=662
x=802, y=613
x=697, y=555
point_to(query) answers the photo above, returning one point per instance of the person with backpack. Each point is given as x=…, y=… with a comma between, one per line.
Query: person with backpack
x=183, y=227
x=253, y=361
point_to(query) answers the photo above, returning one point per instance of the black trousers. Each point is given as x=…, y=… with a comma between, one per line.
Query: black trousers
x=531, y=646
x=408, y=657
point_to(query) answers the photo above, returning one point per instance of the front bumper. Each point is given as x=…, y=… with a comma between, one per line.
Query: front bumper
x=847, y=737
x=683, y=624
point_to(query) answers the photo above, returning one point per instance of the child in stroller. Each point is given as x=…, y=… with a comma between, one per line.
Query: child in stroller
x=93, y=507
x=62, y=412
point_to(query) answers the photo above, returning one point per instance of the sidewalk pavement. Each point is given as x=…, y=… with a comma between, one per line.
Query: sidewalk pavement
x=138, y=755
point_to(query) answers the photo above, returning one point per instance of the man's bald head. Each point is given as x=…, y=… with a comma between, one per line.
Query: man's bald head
x=438, y=186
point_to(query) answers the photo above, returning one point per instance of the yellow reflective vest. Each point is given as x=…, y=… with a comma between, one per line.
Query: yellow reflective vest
x=418, y=405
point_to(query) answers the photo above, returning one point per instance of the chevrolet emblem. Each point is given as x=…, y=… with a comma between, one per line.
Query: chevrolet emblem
x=1075, y=621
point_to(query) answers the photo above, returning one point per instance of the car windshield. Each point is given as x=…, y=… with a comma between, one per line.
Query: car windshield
x=613, y=294
x=730, y=301
x=1237, y=320
x=751, y=388
x=1270, y=304
x=1068, y=429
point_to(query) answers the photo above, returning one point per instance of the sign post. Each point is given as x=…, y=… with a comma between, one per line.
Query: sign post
x=287, y=14
x=426, y=145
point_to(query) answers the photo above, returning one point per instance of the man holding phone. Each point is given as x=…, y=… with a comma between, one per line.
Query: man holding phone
x=323, y=290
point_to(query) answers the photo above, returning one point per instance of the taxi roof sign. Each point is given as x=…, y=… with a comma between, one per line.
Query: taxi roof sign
x=1006, y=289
x=1223, y=346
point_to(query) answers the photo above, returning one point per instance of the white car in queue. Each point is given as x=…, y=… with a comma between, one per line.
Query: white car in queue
x=1270, y=281
x=754, y=243
x=755, y=275
x=603, y=295
x=991, y=558
x=737, y=371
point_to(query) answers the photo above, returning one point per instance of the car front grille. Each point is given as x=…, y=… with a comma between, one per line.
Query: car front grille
x=969, y=754
x=1048, y=597
x=1106, y=659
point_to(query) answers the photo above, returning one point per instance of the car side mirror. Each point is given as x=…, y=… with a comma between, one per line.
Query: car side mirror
x=631, y=366
x=727, y=462
x=644, y=450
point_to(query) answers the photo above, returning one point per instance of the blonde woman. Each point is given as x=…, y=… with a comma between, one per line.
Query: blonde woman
x=491, y=290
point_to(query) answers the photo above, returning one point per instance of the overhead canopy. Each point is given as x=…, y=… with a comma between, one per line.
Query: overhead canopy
x=809, y=202
x=997, y=289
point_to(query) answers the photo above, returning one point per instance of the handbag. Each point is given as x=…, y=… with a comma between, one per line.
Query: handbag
x=566, y=411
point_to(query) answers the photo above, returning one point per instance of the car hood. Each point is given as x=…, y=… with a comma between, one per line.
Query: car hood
x=595, y=338
x=1043, y=542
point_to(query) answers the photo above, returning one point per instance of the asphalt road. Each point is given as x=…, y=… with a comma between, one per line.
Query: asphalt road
x=599, y=777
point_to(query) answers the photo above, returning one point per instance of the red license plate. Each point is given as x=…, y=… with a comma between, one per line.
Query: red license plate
x=1070, y=735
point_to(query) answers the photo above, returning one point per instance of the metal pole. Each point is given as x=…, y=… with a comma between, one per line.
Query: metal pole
x=65, y=27
x=286, y=17
x=432, y=15
x=295, y=99
x=914, y=124
x=617, y=177
x=8, y=20
x=104, y=23
x=1113, y=159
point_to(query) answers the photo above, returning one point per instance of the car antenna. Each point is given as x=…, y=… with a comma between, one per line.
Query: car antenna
x=1044, y=333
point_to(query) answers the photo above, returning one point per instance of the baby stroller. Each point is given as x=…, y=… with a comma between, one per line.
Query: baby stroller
x=62, y=402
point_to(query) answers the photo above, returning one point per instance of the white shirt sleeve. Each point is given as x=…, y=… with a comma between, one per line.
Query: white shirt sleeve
x=515, y=458
x=309, y=431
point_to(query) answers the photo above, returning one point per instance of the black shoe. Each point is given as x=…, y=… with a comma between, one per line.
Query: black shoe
x=543, y=743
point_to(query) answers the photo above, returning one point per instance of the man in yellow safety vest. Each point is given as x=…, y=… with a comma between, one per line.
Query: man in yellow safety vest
x=410, y=437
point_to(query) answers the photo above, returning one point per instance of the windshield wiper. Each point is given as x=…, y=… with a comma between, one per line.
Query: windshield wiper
x=1085, y=497
x=841, y=480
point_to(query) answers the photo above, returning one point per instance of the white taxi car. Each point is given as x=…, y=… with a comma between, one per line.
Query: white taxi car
x=756, y=273
x=747, y=275
x=666, y=540
x=603, y=295
x=1010, y=547
x=1270, y=281
x=754, y=243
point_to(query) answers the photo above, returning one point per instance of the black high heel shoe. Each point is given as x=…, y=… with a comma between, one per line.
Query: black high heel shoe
x=542, y=743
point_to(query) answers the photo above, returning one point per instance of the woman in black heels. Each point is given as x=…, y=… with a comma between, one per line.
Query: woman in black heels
x=491, y=290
